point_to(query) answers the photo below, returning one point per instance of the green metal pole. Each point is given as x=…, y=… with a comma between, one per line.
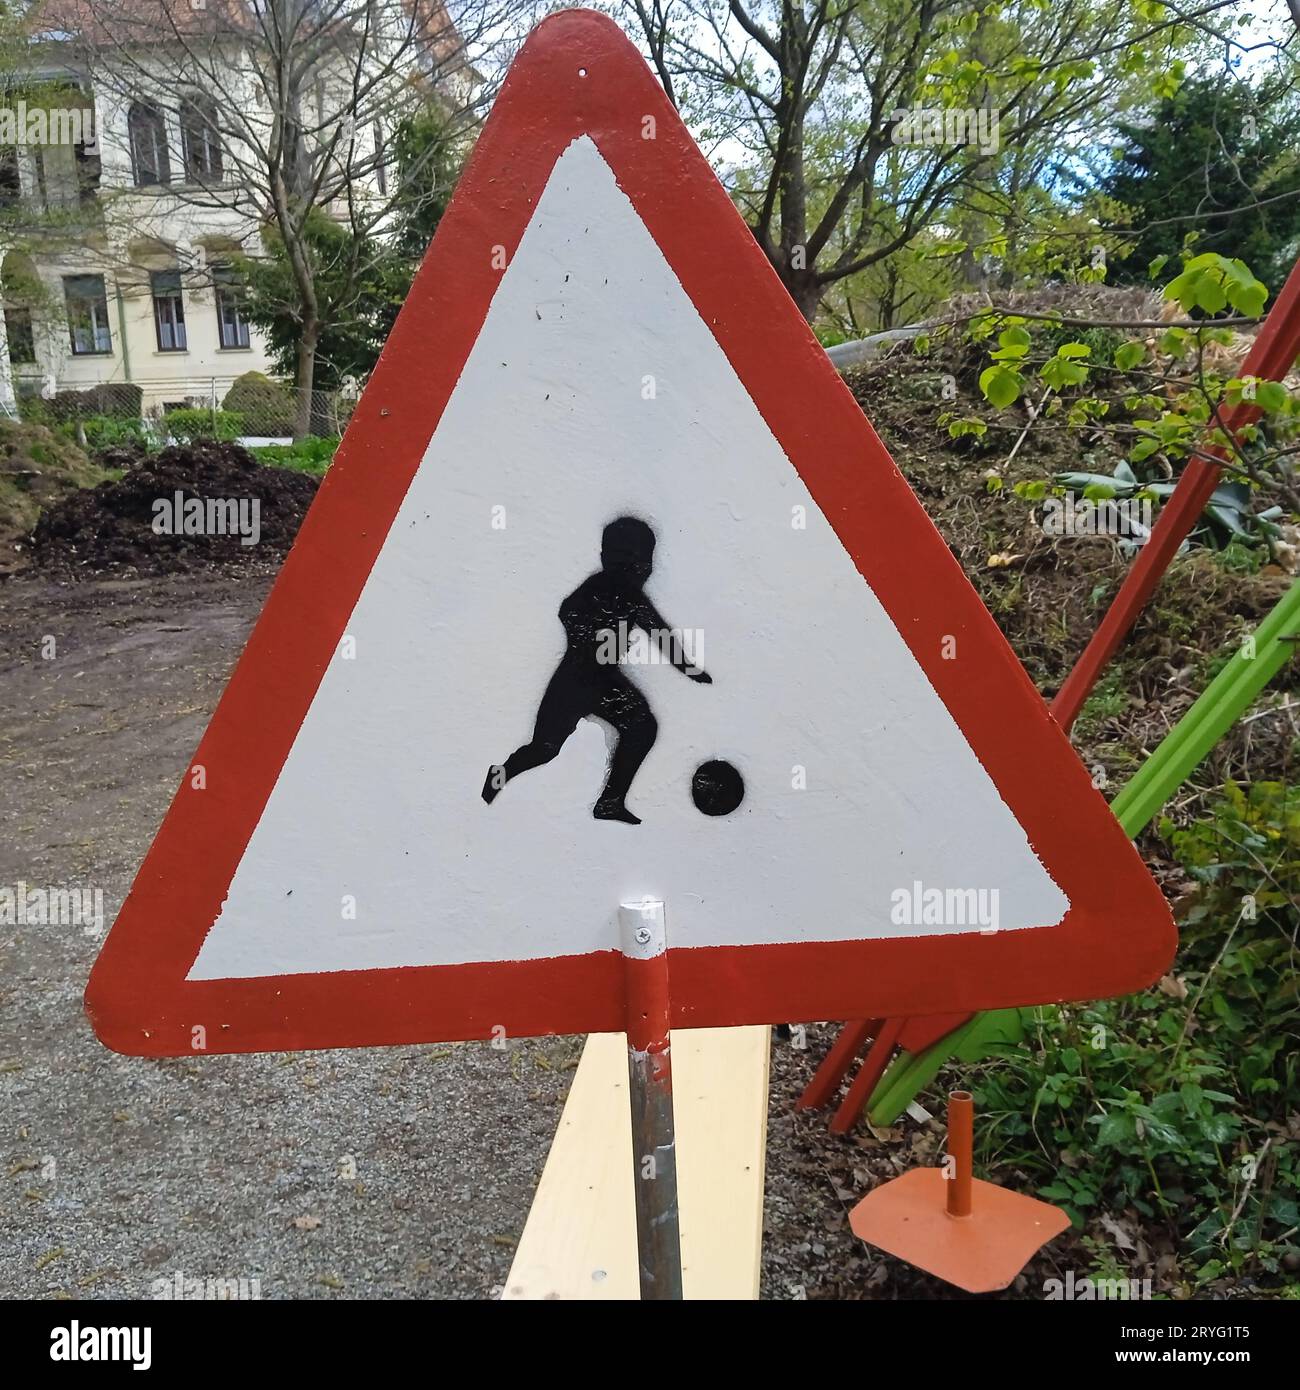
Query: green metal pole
x=1219, y=706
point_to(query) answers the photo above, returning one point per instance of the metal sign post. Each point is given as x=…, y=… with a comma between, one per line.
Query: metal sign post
x=650, y=1086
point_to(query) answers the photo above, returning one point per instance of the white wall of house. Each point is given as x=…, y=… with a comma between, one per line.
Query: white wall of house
x=131, y=234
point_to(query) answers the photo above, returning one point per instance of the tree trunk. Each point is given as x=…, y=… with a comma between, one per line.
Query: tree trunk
x=806, y=290
x=306, y=375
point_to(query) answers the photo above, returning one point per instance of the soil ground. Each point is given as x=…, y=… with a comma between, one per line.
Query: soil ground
x=404, y=1172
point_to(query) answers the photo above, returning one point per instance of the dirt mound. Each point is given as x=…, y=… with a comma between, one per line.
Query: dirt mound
x=189, y=507
x=37, y=467
x=1096, y=303
x=1048, y=593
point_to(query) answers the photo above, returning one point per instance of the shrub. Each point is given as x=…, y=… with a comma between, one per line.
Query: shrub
x=1177, y=1102
x=190, y=425
x=266, y=405
x=111, y=432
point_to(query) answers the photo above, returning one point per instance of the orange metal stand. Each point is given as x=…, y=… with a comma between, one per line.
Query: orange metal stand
x=947, y=1222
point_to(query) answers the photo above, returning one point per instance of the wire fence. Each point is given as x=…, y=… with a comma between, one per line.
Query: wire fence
x=252, y=409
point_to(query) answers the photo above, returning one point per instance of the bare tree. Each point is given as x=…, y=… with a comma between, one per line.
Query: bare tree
x=286, y=110
x=807, y=100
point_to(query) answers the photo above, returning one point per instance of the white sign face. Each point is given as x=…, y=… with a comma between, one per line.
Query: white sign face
x=596, y=392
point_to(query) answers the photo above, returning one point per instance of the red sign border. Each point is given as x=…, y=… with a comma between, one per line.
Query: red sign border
x=578, y=75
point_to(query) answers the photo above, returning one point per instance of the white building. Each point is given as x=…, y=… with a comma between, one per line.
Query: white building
x=138, y=210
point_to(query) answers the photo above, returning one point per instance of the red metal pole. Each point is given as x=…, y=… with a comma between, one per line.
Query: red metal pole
x=1271, y=357
x=835, y=1065
x=1276, y=347
x=871, y=1070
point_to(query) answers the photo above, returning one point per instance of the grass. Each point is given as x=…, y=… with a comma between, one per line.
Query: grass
x=312, y=456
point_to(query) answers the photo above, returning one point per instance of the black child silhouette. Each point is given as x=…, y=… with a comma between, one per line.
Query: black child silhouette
x=588, y=684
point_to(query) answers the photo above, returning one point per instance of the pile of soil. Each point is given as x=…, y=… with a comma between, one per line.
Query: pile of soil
x=37, y=467
x=151, y=522
x=1048, y=593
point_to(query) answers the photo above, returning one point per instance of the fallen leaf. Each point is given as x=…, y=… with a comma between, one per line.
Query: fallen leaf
x=306, y=1223
x=1122, y=1238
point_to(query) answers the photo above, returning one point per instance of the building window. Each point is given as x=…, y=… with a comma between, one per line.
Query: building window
x=87, y=314
x=149, y=157
x=168, y=310
x=22, y=340
x=230, y=308
x=201, y=139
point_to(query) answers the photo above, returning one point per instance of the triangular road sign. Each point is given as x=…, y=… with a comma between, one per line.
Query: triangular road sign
x=595, y=337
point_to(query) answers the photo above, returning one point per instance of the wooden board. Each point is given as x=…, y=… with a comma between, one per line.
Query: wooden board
x=580, y=1239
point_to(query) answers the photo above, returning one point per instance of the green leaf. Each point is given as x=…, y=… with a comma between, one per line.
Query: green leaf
x=1059, y=372
x=1001, y=385
x=1116, y=1129
x=1015, y=336
x=1128, y=355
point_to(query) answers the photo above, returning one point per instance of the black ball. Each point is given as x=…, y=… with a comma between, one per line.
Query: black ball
x=717, y=788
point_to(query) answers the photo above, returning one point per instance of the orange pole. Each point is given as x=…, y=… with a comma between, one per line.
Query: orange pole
x=961, y=1135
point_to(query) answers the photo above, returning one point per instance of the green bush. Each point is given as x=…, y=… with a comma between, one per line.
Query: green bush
x=1177, y=1102
x=190, y=425
x=311, y=455
x=266, y=405
x=110, y=431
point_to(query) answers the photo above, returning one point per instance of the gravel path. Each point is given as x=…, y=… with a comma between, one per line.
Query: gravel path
x=401, y=1172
